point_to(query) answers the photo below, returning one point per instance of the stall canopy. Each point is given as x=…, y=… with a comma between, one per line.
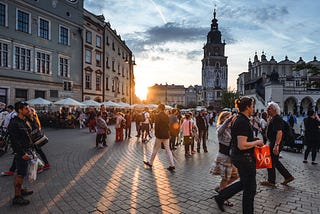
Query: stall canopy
x=91, y=103
x=39, y=101
x=68, y=102
x=111, y=104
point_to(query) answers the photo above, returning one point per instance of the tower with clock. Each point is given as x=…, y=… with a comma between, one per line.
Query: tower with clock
x=214, y=67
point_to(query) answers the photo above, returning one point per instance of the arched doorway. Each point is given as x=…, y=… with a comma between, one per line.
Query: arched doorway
x=306, y=103
x=290, y=105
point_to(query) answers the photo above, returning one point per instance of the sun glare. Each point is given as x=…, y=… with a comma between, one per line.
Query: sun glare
x=141, y=91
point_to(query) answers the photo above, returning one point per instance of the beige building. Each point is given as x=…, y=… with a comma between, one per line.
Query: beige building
x=167, y=94
x=108, y=63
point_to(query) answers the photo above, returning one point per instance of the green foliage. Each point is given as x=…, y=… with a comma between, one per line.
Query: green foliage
x=314, y=71
x=228, y=97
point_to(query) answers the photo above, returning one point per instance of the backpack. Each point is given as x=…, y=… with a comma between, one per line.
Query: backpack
x=288, y=136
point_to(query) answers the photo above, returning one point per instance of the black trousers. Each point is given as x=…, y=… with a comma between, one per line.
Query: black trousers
x=276, y=164
x=247, y=171
x=313, y=148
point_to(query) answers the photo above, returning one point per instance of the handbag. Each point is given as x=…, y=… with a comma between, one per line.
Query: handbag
x=40, y=140
x=263, y=157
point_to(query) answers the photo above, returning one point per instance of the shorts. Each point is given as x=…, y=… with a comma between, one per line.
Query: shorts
x=22, y=166
x=223, y=167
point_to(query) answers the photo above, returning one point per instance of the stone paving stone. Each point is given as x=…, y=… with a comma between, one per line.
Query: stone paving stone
x=82, y=179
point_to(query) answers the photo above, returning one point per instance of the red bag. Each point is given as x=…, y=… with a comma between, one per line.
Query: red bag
x=263, y=157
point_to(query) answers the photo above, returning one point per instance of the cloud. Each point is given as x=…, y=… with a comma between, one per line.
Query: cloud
x=171, y=32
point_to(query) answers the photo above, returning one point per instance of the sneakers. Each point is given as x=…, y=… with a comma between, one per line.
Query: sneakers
x=46, y=166
x=285, y=182
x=314, y=163
x=171, y=168
x=305, y=161
x=147, y=163
x=7, y=173
x=25, y=192
x=19, y=200
x=267, y=183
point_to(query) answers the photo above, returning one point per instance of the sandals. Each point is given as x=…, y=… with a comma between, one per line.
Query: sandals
x=228, y=203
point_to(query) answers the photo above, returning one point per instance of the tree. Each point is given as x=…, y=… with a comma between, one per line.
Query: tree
x=313, y=70
x=228, y=97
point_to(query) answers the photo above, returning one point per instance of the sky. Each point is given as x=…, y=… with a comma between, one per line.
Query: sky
x=167, y=36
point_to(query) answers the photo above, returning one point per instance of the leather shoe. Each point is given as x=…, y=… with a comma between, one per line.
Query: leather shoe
x=219, y=203
x=285, y=182
x=267, y=183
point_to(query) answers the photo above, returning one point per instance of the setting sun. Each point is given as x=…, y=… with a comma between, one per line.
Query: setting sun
x=141, y=90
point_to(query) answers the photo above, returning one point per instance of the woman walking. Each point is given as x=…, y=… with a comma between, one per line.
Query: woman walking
x=311, y=136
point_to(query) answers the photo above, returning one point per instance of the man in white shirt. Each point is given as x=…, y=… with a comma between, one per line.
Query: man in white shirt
x=11, y=114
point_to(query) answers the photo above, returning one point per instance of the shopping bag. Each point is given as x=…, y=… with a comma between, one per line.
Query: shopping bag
x=263, y=157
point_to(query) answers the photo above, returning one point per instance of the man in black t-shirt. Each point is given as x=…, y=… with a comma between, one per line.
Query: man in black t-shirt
x=274, y=135
x=242, y=157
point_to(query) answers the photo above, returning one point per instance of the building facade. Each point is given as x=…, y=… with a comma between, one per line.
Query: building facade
x=172, y=95
x=40, y=49
x=269, y=80
x=214, y=67
x=119, y=84
x=57, y=49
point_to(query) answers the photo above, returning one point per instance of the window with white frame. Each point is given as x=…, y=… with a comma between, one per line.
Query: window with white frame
x=23, y=21
x=43, y=62
x=64, y=66
x=88, y=56
x=43, y=28
x=3, y=54
x=88, y=81
x=98, y=82
x=22, y=58
x=98, y=41
x=98, y=59
x=67, y=85
x=3, y=14
x=64, y=35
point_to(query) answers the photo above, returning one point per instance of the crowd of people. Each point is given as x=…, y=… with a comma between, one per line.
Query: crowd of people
x=238, y=132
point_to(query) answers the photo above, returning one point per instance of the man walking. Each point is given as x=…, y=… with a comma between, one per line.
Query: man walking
x=274, y=135
x=22, y=146
x=202, y=124
x=161, y=131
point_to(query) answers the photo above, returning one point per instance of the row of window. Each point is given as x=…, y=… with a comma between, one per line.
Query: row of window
x=115, y=84
x=98, y=43
x=22, y=60
x=88, y=59
x=23, y=93
x=23, y=24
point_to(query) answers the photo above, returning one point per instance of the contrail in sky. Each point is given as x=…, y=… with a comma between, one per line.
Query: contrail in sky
x=159, y=11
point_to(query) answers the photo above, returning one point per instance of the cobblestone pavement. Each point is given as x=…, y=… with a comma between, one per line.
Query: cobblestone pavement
x=83, y=179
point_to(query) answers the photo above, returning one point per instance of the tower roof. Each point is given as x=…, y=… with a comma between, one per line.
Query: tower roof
x=214, y=36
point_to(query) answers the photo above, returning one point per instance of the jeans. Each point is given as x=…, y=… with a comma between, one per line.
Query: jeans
x=247, y=171
x=203, y=138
